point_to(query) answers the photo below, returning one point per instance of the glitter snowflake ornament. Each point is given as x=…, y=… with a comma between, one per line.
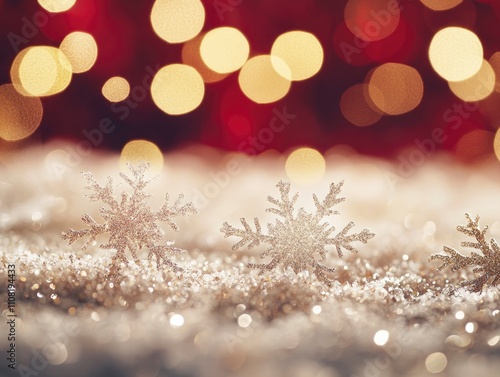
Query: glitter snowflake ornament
x=298, y=241
x=487, y=264
x=129, y=221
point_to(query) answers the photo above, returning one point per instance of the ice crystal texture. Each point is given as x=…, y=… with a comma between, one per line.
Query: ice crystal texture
x=298, y=241
x=486, y=265
x=129, y=221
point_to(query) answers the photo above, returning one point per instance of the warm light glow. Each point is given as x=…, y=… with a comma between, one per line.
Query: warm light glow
x=436, y=362
x=116, y=89
x=81, y=50
x=372, y=20
x=456, y=53
x=177, y=21
x=56, y=6
x=301, y=52
x=20, y=116
x=191, y=56
x=176, y=320
x=475, y=145
x=441, y=4
x=260, y=82
x=395, y=88
x=177, y=89
x=381, y=337
x=224, y=49
x=496, y=144
x=138, y=151
x=40, y=71
x=356, y=108
x=495, y=64
x=305, y=166
x=477, y=87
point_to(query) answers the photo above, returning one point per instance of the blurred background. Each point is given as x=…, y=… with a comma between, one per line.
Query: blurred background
x=382, y=77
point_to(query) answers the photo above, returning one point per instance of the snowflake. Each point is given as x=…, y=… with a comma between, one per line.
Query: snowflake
x=130, y=222
x=487, y=264
x=298, y=241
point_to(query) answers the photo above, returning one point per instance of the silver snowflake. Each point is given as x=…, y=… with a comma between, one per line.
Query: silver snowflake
x=298, y=241
x=487, y=264
x=129, y=221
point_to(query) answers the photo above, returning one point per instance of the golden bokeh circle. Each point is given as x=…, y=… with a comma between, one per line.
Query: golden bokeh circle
x=440, y=5
x=177, y=89
x=395, y=88
x=477, y=87
x=495, y=64
x=139, y=151
x=20, y=116
x=301, y=51
x=191, y=56
x=56, y=6
x=305, y=166
x=116, y=89
x=40, y=71
x=224, y=50
x=81, y=50
x=455, y=53
x=496, y=144
x=356, y=106
x=177, y=21
x=259, y=80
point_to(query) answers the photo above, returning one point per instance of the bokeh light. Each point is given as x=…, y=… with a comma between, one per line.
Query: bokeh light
x=372, y=20
x=177, y=89
x=477, y=87
x=302, y=53
x=224, y=49
x=305, y=166
x=475, y=145
x=137, y=151
x=381, y=337
x=56, y=6
x=395, y=88
x=496, y=144
x=116, y=89
x=177, y=21
x=191, y=56
x=81, y=50
x=495, y=65
x=456, y=53
x=41, y=71
x=357, y=108
x=436, y=362
x=20, y=116
x=260, y=81
x=440, y=5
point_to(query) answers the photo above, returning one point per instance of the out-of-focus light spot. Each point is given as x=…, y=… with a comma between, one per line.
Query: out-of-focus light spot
x=116, y=89
x=395, y=88
x=305, y=166
x=81, y=50
x=191, y=56
x=137, y=151
x=56, y=353
x=476, y=87
x=496, y=144
x=176, y=320
x=495, y=64
x=429, y=228
x=316, y=309
x=56, y=6
x=36, y=216
x=40, y=71
x=372, y=20
x=260, y=81
x=301, y=52
x=441, y=4
x=475, y=145
x=456, y=53
x=20, y=116
x=459, y=341
x=177, y=89
x=244, y=320
x=224, y=49
x=460, y=315
x=177, y=21
x=494, y=341
x=381, y=337
x=470, y=327
x=436, y=362
x=357, y=109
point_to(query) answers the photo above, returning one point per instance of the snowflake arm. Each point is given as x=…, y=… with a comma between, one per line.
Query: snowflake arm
x=95, y=230
x=487, y=264
x=167, y=213
x=344, y=240
x=247, y=235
